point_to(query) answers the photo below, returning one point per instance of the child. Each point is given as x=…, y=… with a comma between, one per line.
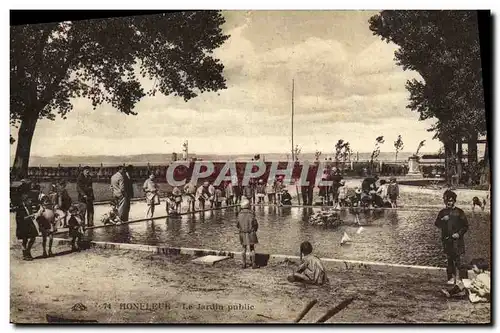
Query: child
x=247, y=226
x=190, y=191
x=46, y=219
x=478, y=284
x=26, y=229
x=355, y=204
x=170, y=204
x=229, y=192
x=150, y=189
x=219, y=197
x=278, y=185
x=211, y=198
x=342, y=194
x=177, y=198
x=261, y=191
x=393, y=192
x=311, y=270
x=75, y=228
x=112, y=216
x=64, y=201
x=286, y=198
x=453, y=224
x=271, y=193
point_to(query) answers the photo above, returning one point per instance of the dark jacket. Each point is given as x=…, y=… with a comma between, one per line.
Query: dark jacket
x=457, y=223
x=84, y=187
x=129, y=187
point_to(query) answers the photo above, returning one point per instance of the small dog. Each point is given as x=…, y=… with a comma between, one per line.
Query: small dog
x=477, y=202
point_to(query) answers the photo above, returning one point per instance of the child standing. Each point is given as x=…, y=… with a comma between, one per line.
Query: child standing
x=393, y=192
x=219, y=198
x=170, y=204
x=311, y=270
x=75, y=228
x=229, y=192
x=47, y=223
x=453, y=224
x=25, y=228
x=177, y=198
x=271, y=193
x=247, y=225
x=261, y=191
x=64, y=201
x=342, y=194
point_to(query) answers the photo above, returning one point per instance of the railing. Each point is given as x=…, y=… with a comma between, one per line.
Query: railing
x=141, y=172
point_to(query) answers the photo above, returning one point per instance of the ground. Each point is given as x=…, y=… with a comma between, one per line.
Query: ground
x=102, y=279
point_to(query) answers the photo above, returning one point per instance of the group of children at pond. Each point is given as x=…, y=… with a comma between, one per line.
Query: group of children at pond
x=451, y=221
x=56, y=210
x=374, y=192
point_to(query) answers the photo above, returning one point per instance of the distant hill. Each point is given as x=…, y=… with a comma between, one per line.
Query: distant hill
x=155, y=159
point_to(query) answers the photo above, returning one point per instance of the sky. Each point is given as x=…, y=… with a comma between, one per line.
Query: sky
x=347, y=86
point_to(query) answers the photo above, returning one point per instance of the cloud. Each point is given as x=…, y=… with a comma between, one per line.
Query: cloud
x=347, y=85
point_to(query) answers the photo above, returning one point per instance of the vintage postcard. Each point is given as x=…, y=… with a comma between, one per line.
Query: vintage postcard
x=250, y=167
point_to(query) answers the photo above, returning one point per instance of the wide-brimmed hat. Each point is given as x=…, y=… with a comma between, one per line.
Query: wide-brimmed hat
x=393, y=179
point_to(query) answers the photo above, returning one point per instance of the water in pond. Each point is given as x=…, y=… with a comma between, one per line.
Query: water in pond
x=405, y=237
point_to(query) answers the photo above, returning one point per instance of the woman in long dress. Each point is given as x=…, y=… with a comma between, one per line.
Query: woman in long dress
x=151, y=191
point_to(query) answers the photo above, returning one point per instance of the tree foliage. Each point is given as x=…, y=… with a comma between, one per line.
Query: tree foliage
x=103, y=60
x=398, y=145
x=443, y=47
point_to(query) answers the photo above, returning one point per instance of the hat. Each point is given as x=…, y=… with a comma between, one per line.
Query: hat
x=86, y=167
x=206, y=183
x=245, y=204
x=73, y=209
x=342, y=182
x=285, y=189
x=393, y=179
x=450, y=195
x=358, y=190
x=261, y=180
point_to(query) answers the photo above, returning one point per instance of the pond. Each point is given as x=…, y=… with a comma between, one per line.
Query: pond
x=404, y=236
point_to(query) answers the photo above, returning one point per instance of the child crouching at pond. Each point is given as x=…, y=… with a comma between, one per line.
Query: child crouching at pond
x=311, y=270
x=247, y=226
x=112, y=216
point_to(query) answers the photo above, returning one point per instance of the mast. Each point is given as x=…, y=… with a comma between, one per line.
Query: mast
x=293, y=148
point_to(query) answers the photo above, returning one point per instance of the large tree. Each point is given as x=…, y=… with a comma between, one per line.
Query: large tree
x=443, y=47
x=102, y=60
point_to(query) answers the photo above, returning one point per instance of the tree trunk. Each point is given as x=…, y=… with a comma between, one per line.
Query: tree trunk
x=485, y=173
x=472, y=158
x=25, y=136
x=459, y=160
x=450, y=159
x=396, y=156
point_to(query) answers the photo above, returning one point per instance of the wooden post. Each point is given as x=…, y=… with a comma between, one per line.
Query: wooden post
x=307, y=308
x=332, y=312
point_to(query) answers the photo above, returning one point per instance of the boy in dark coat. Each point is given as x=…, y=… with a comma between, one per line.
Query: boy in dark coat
x=247, y=226
x=453, y=224
x=26, y=229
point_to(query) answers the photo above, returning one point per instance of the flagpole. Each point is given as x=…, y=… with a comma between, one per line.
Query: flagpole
x=293, y=152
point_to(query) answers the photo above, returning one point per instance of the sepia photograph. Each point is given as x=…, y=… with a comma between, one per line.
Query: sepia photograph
x=250, y=167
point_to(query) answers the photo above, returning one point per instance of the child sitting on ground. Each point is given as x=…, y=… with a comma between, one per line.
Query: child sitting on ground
x=311, y=270
x=478, y=284
x=75, y=224
x=112, y=216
